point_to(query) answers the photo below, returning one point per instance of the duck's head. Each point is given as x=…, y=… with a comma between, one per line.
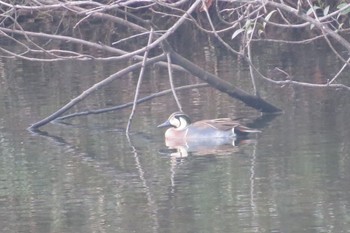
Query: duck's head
x=178, y=120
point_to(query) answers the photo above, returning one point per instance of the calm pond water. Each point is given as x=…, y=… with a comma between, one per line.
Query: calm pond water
x=87, y=176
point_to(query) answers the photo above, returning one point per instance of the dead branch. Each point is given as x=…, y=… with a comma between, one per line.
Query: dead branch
x=95, y=87
x=126, y=105
x=223, y=86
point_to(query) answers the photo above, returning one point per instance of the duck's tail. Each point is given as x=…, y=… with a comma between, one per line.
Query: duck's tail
x=244, y=130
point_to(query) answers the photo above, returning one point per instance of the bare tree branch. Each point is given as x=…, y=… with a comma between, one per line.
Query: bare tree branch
x=95, y=87
x=126, y=105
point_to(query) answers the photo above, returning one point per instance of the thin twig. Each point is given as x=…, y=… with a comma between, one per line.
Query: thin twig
x=172, y=81
x=311, y=20
x=249, y=50
x=339, y=72
x=139, y=81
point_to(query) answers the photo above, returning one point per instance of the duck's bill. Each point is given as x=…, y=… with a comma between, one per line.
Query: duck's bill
x=165, y=124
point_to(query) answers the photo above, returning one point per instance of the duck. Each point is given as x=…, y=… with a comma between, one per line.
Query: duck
x=182, y=128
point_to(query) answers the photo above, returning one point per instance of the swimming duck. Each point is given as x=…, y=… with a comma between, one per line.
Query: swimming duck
x=182, y=128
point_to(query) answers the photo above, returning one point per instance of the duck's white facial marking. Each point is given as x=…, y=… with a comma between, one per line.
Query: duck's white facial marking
x=179, y=122
x=175, y=122
x=183, y=123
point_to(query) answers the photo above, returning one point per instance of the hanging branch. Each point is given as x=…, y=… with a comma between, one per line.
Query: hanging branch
x=249, y=54
x=170, y=73
x=139, y=81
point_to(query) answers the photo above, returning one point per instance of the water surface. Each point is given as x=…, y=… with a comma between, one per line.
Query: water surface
x=88, y=176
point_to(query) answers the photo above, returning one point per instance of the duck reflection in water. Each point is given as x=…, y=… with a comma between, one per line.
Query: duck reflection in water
x=215, y=136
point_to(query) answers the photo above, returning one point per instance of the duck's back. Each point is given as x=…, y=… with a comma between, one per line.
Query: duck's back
x=216, y=128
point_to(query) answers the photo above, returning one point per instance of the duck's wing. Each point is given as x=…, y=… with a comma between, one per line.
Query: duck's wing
x=225, y=124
